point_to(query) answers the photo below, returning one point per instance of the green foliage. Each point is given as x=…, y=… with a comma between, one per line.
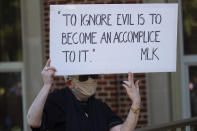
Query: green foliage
x=10, y=31
x=189, y=13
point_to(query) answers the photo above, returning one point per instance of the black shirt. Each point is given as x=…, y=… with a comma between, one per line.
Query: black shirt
x=63, y=112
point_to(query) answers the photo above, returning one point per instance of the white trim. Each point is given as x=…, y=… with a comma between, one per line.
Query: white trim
x=186, y=98
x=184, y=91
x=22, y=72
x=24, y=101
x=190, y=59
x=11, y=66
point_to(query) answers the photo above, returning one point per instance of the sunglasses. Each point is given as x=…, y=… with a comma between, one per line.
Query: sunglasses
x=83, y=78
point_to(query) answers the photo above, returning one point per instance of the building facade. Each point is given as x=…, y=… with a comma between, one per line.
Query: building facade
x=24, y=49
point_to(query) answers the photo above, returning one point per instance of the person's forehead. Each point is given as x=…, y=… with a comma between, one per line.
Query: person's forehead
x=77, y=76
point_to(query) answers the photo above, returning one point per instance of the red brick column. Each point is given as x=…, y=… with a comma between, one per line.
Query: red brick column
x=109, y=87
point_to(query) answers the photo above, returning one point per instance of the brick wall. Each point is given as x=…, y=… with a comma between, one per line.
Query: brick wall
x=109, y=87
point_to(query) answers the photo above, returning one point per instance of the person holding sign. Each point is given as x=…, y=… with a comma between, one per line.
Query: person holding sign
x=76, y=109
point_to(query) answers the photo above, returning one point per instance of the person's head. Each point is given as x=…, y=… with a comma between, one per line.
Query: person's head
x=83, y=86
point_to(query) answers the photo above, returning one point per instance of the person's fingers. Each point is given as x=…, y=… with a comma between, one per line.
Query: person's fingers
x=127, y=83
x=137, y=84
x=130, y=78
x=48, y=63
x=125, y=86
x=51, y=73
x=52, y=68
x=49, y=69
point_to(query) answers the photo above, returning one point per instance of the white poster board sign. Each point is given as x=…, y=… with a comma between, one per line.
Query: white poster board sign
x=113, y=38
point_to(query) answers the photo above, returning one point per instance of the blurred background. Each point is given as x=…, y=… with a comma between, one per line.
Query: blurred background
x=169, y=100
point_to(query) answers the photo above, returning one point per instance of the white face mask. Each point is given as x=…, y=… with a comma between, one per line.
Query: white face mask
x=86, y=88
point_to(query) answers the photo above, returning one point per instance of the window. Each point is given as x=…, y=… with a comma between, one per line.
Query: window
x=10, y=31
x=190, y=26
x=193, y=89
x=189, y=57
x=11, y=66
x=10, y=101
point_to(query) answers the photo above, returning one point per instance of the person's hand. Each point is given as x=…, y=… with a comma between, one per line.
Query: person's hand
x=132, y=90
x=48, y=74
